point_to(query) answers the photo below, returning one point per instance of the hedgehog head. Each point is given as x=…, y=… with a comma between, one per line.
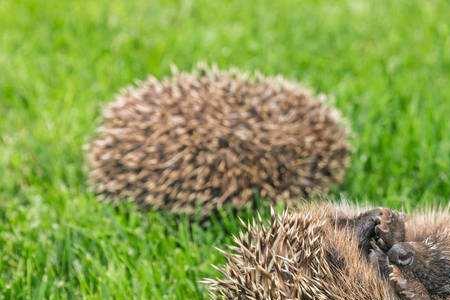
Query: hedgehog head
x=427, y=261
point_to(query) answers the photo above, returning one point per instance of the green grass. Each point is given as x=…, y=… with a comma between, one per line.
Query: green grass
x=386, y=63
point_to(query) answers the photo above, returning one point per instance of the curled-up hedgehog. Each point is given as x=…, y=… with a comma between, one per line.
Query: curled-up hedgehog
x=330, y=252
x=317, y=252
x=414, y=255
x=209, y=138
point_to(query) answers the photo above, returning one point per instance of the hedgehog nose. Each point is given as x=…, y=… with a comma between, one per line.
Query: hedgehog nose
x=400, y=255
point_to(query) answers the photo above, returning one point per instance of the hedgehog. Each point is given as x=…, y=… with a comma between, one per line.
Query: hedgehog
x=312, y=253
x=417, y=260
x=329, y=252
x=200, y=140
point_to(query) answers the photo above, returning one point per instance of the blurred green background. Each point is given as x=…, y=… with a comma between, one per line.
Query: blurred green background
x=385, y=63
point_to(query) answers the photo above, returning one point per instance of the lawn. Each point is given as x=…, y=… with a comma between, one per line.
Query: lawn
x=385, y=63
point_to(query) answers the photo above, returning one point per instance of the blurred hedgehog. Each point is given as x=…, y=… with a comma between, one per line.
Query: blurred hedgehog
x=210, y=137
x=336, y=252
x=310, y=254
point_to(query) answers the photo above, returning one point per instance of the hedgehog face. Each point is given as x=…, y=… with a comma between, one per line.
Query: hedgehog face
x=425, y=262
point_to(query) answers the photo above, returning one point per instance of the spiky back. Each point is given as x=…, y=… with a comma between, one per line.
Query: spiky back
x=212, y=137
x=428, y=222
x=298, y=256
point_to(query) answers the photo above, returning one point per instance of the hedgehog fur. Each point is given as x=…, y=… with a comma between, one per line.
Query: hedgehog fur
x=300, y=255
x=211, y=137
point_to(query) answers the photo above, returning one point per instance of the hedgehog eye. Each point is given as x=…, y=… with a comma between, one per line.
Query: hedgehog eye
x=406, y=259
x=401, y=254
